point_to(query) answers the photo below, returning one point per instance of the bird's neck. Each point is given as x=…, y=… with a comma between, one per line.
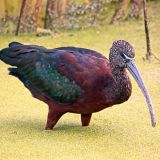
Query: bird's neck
x=121, y=86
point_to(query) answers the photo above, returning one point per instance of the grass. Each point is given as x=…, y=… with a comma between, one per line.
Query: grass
x=122, y=132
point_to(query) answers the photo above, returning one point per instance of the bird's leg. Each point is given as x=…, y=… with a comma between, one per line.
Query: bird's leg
x=85, y=119
x=53, y=117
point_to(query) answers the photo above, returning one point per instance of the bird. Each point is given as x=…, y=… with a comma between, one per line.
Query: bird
x=75, y=80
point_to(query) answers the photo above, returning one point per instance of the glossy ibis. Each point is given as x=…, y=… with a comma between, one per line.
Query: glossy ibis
x=75, y=80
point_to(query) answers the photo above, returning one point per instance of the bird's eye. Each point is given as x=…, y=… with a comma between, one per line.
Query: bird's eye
x=123, y=56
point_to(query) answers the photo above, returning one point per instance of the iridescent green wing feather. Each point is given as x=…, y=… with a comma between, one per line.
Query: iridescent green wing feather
x=43, y=75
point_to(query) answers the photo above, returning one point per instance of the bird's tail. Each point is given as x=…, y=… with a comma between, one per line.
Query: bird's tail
x=11, y=55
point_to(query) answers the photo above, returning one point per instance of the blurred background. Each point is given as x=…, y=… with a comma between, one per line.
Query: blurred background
x=38, y=15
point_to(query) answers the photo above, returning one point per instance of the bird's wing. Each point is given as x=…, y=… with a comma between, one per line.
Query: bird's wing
x=83, y=51
x=60, y=75
x=44, y=76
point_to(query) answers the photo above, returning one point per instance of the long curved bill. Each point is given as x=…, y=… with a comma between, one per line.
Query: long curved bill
x=135, y=73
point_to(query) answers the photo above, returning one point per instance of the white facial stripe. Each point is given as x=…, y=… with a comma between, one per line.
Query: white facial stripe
x=128, y=57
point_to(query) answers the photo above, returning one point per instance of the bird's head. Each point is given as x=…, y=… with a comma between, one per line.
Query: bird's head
x=122, y=56
x=121, y=52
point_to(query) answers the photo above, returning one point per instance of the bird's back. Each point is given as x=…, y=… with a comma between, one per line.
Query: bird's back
x=62, y=74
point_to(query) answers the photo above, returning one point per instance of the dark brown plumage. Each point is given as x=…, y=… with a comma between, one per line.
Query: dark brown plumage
x=73, y=79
